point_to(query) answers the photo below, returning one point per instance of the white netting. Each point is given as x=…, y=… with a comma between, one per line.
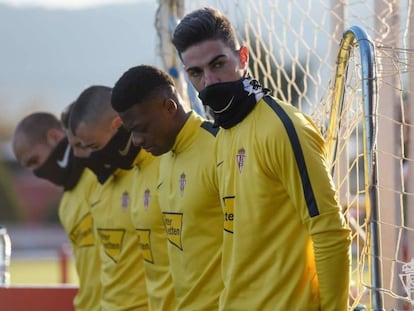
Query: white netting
x=293, y=51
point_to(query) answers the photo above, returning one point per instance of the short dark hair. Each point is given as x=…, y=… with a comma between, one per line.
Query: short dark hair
x=35, y=126
x=89, y=106
x=65, y=115
x=137, y=84
x=201, y=25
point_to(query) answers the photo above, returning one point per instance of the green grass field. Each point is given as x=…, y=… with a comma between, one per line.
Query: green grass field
x=49, y=272
x=40, y=271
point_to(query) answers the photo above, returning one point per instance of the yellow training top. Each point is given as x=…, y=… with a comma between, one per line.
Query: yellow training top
x=76, y=219
x=152, y=238
x=122, y=275
x=285, y=237
x=193, y=216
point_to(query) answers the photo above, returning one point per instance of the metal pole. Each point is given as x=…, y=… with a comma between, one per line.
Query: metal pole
x=369, y=91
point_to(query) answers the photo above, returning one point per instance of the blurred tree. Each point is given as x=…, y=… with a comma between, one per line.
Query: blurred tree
x=9, y=211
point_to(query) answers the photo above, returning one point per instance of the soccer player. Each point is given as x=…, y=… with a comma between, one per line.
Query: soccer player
x=39, y=144
x=149, y=106
x=286, y=244
x=152, y=238
x=127, y=217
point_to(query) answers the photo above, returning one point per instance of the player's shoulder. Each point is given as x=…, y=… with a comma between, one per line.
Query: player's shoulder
x=206, y=126
x=277, y=105
x=275, y=108
x=209, y=126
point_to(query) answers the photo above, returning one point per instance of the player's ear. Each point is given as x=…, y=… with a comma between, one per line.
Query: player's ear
x=116, y=122
x=170, y=105
x=54, y=136
x=244, y=56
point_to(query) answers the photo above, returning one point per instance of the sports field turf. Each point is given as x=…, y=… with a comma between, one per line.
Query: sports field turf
x=40, y=271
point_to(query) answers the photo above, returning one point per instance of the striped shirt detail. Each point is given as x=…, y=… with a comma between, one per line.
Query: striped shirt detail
x=300, y=159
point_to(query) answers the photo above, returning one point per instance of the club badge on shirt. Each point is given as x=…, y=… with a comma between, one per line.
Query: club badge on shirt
x=147, y=196
x=241, y=158
x=125, y=201
x=183, y=182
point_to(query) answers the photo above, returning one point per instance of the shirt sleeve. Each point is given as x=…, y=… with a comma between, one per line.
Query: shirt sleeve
x=309, y=184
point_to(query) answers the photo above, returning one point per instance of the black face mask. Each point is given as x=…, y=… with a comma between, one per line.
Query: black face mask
x=231, y=101
x=61, y=168
x=119, y=152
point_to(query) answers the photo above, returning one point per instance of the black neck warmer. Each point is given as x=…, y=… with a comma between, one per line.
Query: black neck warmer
x=61, y=168
x=119, y=152
x=232, y=101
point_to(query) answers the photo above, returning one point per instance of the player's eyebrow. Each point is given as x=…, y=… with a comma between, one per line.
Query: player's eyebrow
x=197, y=68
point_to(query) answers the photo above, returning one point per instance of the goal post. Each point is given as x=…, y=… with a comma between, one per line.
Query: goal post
x=166, y=18
x=353, y=114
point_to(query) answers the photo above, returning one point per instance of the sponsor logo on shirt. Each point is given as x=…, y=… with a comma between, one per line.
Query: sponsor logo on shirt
x=183, y=182
x=112, y=240
x=95, y=203
x=228, y=214
x=241, y=158
x=145, y=244
x=82, y=234
x=173, y=223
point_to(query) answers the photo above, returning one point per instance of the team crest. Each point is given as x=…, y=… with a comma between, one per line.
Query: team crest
x=241, y=158
x=183, y=182
x=125, y=201
x=407, y=279
x=146, y=199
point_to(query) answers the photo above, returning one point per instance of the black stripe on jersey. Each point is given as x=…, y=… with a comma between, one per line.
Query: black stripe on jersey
x=300, y=159
x=209, y=127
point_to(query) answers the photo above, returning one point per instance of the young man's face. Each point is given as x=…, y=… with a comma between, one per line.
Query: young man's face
x=32, y=155
x=78, y=149
x=211, y=62
x=151, y=124
x=93, y=137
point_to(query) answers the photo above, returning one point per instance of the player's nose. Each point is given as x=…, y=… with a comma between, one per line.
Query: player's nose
x=210, y=78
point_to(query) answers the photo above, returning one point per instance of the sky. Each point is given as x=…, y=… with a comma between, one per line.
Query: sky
x=64, y=4
x=53, y=49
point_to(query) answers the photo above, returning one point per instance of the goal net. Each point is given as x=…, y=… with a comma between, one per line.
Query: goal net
x=295, y=51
